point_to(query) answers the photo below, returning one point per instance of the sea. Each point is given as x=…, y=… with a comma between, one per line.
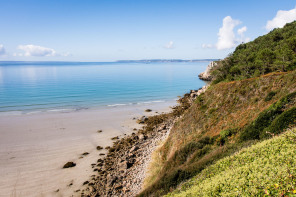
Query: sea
x=33, y=87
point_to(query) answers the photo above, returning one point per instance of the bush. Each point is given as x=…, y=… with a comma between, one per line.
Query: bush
x=225, y=133
x=283, y=121
x=270, y=96
x=256, y=129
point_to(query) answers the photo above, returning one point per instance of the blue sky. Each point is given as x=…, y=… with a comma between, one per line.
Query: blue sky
x=109, y=30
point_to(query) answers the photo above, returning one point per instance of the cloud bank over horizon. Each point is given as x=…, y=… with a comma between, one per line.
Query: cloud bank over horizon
x=38, y=51
x=227, y=38
x=282, y=17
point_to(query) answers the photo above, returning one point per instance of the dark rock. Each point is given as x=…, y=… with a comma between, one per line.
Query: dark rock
x=118, y=187
x=69, y=164
x=142, y=137
x=148, y=110
x=100, y=131
x=134, y=148
x=100, y=164
x=85, y=182
x=115, y=138
x=86, y=153
x=142, y=120
x=99, y=147
x=129, y=165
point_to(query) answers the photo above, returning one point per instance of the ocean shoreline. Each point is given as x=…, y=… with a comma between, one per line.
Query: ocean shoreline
x=46, y=140
x=123, y=170
x=33, y=155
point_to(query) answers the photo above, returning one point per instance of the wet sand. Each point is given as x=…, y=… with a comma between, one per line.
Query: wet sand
x=34, y=147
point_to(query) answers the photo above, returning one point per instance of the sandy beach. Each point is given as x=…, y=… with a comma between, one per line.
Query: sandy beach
x=34, y=147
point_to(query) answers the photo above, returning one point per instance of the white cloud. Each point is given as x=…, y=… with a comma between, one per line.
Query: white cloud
x=241, y=33
x=39, y=51
x=242, y=30
x=207, y=46
x=169, y=45
x=227, y=38
x=2, y=50
x=282, y=17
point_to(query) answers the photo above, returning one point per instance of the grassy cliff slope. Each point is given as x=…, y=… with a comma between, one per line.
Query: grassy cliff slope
x=237, y=110
x=265, y=169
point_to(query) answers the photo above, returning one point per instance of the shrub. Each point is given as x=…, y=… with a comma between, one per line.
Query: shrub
x=265, y=169
x=256, y=129
x=283, y=121
x=269, y=96
x=225, y=133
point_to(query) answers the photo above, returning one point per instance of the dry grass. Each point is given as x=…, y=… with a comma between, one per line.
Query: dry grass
x=231, y=105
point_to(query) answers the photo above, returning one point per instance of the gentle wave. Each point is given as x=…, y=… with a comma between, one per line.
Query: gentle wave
x=11, y=113
x=148, y=102
x=139, y=103
x=114, y=105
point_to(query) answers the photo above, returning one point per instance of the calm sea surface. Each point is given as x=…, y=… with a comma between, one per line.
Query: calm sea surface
x=27, y=87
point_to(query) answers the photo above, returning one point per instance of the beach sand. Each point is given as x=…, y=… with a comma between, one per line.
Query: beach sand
x=34, y=147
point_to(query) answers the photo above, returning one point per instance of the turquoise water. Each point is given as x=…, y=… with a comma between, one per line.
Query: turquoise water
x=43, y=86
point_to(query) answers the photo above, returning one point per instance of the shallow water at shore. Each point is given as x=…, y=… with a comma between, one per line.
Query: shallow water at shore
x=33, y=87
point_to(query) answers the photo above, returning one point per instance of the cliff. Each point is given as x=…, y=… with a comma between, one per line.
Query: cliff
x=206, y=75
x=251, y=98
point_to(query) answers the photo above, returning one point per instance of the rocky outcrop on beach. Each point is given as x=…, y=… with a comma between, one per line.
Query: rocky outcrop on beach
x=123, y=170
x=194, y=93
x=206, y=75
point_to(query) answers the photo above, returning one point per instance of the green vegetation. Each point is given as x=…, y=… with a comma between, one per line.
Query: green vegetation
x=242, y=107
x=273, y=52
x=273, y=120
x=265, y=169
x=240, y=118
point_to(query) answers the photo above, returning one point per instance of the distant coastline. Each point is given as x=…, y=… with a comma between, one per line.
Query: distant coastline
x=103, y=62
x=165, y=60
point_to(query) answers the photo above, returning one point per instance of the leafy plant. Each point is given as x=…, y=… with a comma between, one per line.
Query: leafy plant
x=265, y=169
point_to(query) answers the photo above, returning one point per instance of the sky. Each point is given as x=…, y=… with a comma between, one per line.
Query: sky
x=110, y=30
